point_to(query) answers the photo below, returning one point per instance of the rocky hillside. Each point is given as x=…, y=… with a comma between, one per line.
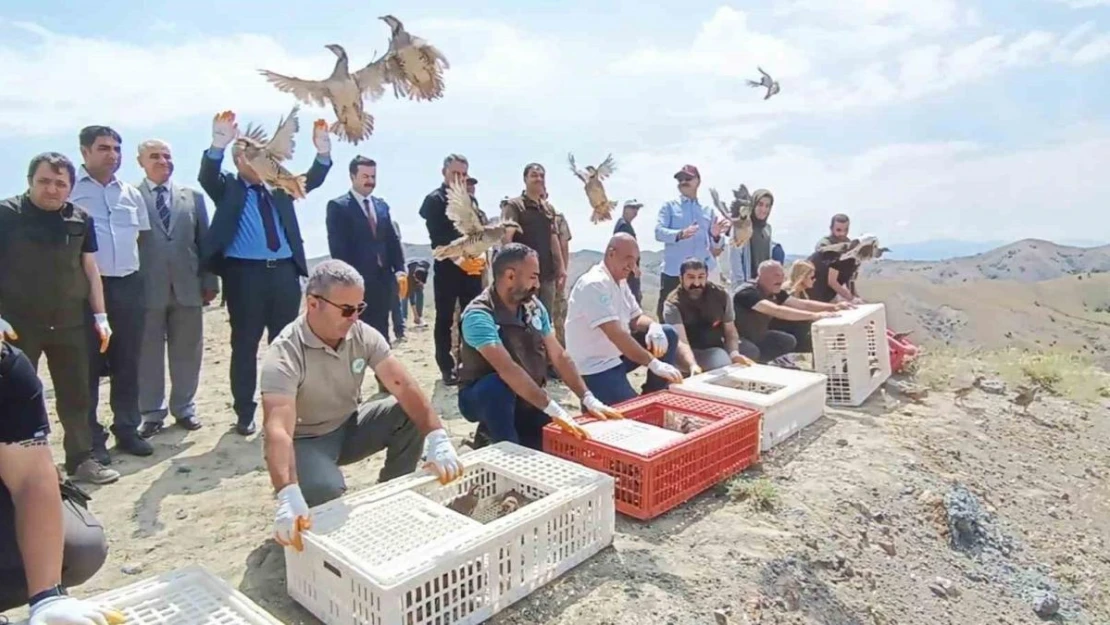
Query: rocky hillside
x=1030, y=260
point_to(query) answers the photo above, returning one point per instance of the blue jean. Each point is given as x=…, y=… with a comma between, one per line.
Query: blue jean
x=416, y=298
x=507, y=417
x=612, y=387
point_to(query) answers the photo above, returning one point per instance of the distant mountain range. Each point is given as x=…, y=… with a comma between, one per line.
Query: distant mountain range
x=941, y=249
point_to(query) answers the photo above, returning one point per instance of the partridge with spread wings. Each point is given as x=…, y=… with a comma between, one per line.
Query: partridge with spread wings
x=595, y=192
x=266, y=155
x=477, y=237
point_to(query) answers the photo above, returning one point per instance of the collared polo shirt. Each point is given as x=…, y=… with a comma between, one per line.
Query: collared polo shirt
x=595, y=299
x=119, y=215
x=674, y=217
x=326, y=382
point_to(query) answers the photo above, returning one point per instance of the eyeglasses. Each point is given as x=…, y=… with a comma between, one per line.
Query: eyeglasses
x=685, y=178
x=344, y=309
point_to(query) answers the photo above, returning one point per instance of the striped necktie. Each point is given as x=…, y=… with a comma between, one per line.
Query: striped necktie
x=162, y=206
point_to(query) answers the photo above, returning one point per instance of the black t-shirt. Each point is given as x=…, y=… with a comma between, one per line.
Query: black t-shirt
x=624, y=226
x=822, y=262
x=22, y=404
x=46, y=225
x=752, y=324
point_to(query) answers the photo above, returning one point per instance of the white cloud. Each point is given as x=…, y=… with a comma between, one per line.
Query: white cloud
x=1084, y=4
x=1093, y=51
x=934, y=15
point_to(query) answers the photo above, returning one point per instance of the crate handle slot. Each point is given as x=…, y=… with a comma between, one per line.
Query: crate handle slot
x=332, y=569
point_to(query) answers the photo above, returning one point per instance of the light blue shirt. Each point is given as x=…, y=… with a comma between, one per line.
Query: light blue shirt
x=480, y=330
x=740, y=265
x=250, y=238
x=674, y=217
x=119, y=215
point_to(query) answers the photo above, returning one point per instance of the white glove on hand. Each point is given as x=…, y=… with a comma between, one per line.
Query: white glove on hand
x=73, y=611
x=656, y=340
x=104, y=329
x=320, y=137
x=594, y=406
x=560, y=418
x=665, y=371
x=7, y=331
x=440, y=456
x=293, y=517
x=224, y=130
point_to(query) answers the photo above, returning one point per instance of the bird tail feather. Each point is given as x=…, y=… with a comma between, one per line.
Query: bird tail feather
x=355, y=131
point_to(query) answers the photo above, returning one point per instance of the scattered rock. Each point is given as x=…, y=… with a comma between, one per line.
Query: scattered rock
x=131, y=569
x=842, y=442
x=184, y=469
x=993, y=387
x=721, y=617
x=887, y=546
x=943, y=587
x=1046, y=605
x=182, y=515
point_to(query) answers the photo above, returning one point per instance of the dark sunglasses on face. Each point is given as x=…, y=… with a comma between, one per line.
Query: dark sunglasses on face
x=346, y=310
x=685, y=178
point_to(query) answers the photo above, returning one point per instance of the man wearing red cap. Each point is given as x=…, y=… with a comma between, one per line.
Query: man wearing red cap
x=687, y=230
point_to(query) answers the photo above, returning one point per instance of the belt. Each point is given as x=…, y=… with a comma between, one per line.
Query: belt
x=268, y=263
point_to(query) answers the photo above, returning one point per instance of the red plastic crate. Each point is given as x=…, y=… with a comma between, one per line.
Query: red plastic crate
x=901, y=352
x=725, y=442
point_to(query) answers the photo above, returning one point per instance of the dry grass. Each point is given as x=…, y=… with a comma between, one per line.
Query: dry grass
x=759, y=492
x=1064, y=373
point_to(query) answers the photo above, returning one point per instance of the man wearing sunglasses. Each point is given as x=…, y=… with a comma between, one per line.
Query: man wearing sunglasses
x=313, y=418
x=687, y=230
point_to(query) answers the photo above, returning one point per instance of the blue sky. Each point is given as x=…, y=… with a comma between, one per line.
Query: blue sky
x=922, y=120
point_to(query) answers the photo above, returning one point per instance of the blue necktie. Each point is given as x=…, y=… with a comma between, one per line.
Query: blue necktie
x=162, y=206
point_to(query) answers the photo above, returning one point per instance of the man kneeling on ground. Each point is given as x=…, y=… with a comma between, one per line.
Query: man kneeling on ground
x=606, y=330
x=758, y=302
x=701, y=314
x=48, y=541
x=507, y=345
x=313, y=422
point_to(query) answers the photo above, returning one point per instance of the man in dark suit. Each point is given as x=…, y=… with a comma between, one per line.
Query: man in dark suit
x=361, y=234
x=254, y=244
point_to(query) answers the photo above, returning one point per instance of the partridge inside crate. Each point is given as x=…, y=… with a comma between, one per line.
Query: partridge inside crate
x=789, y=399
x=669, y=448
x=851, y=351
x=188, y=596
x=408, y=552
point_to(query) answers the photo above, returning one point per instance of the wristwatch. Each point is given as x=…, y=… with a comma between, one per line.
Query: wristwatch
x=54, y=591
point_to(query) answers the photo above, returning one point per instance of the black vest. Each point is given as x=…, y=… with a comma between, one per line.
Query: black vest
x=520, y=337
x=702, y=318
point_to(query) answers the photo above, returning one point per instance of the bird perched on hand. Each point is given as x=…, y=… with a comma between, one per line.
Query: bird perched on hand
x=739, y=214
x=265, y=155
x=595, y=192
x=476, y=237
x=771, y=84
x=344, y=90
x=415, y=67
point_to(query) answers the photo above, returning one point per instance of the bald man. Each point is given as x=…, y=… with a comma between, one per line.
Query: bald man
x=607, y=333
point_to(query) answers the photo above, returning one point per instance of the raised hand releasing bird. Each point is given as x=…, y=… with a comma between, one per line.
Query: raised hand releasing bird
x=476, y=237
x=414, y=66
x=771, y=84
x=739, y=214
x=344, y=90
x=265, y=155
x=595, y=192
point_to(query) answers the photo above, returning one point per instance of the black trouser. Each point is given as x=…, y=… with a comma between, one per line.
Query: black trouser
x=396, y=307
x=452, y=286
x=67, y=356
x=262, y=296
x=800, y=330
x=634, y=286
x=124, y=301
x=666, y=285
x=379, y=300
x=84, y=551
x=771, y=345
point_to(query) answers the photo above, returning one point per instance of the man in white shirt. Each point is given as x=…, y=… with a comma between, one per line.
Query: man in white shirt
x=607, y=332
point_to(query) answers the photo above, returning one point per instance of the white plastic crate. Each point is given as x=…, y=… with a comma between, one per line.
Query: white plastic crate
x=632, y=436
x=851, y=350
x=395, y=554
x=790, y=399
x=188, y=596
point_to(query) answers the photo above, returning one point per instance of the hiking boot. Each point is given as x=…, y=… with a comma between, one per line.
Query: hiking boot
x=92, y=472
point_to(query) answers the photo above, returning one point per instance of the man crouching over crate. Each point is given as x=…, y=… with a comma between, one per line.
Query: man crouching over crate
x=507, y=345
x=609, y=336
x=313, y=422
x=701, y=314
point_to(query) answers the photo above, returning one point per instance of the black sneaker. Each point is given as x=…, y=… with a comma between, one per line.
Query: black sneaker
x=450, y=379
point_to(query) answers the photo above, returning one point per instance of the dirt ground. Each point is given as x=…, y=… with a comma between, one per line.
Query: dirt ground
x=898, y=512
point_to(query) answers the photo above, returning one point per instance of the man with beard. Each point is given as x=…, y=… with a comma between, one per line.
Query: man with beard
x=686, y=229
x=834, y=276
x=609, y=336
x=508, y=344
x=537, y=222
x=701, y=314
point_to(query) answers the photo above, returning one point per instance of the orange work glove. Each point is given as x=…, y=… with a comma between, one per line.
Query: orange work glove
x=473, y=266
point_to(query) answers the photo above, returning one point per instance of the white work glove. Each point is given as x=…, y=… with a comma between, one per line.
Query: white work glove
x=7, y=332
x=73, y=611
x=656, y=340
x=440, y=456
x=103, y=329
x=320, y=137
x=560, y=418
x=292, y=518
x=665, y=371
x=594, y=406
x=224, y=130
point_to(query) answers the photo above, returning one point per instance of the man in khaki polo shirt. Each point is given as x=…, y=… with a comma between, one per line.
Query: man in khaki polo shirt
x=312, y=418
